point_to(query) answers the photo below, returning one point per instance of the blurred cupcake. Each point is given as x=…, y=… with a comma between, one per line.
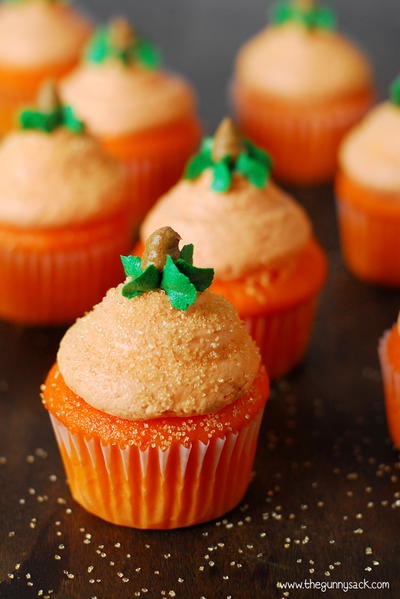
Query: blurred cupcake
x=298, y=88
x=144, y=116
x=267, y=262
x=64, y=216
x=39, y=39
x=389, y=353
x=368, y=194
x=155, y=430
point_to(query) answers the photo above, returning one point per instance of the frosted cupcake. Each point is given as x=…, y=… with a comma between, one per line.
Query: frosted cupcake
x=389, y=354
x=299, y=87
x=64, y=216
x=157, y=396
x=144, y=116
x=39, y=39
x=368, y=194
x=267, y=262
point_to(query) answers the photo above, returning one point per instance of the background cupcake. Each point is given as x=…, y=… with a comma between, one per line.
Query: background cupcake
x=389, y=354
x=144, y=116
x=39, y=39
x=267, y=262
x=64, y=216
x=155, y=430
x=368, y=194
x=298, y=88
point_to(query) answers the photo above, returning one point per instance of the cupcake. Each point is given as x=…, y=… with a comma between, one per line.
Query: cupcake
x=157, y=396
x=260, y=241
x=368, y=194
x=298, y=88
x=389, y=354
x=144, y=116
x=39, y=39
x=64, y=216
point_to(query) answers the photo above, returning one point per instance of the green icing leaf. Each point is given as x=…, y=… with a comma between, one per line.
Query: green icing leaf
x=187, y=253
x=101, y=48
x=201, y=278
x=146, y=281
x=256, y=172
x=132, y=265
x=181, y=292
x=222, y=176
x=395, y=92
x=320, y=17
x=49, y=121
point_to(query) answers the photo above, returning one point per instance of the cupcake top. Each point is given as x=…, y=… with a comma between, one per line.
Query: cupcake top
x=370, y=153
x=52, y=173
x=238, y=219
x=160, y=344
x=290, y=58
x=119, y=89
x=40, y=33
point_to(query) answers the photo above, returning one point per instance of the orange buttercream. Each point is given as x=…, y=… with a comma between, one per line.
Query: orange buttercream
x=114, y=99
x=36, y=34
x=51, y=180
x=370, y=154
x=140, y=358
x=237, y=232
x=295, y=63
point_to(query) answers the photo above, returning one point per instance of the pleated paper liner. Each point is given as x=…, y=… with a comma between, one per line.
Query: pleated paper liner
x=391, y=381
x=370, y=231
x=303, y=138
x=52, y=276
x=156, y=474
x=155, y=159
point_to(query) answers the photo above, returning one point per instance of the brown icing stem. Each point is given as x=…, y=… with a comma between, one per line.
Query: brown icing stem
x=162, y=243
x=122, y=34
x=226, y=141
x=48, y=98
x=305, y=4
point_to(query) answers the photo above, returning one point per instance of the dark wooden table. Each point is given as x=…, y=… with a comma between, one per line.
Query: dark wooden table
x=325, y=500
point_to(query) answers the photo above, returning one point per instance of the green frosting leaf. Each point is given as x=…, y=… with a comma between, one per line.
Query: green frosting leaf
x=49, y=121
x=253, y=163
x=320, y=17
x=181, y=292
x=187, y=253
x=146, y=281
x=222, y=175
x=181, y=280
x=101, y=48
x=395, y=92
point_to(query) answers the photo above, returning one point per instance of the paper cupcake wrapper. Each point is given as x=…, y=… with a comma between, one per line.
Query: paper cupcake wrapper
x=157, y=489
x=368, y=242
x=391, y=383
x=304, y=142
x=283, y=337
x=46, y=284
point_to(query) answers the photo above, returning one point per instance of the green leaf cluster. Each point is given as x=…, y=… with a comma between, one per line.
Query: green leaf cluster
x=101, y=48
x=180, y=280
x=320, y=17
x=253, y=163
x=395, y=92
x=47, y=122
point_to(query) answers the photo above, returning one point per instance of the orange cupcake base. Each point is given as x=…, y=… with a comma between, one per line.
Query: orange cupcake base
x=303, y=139
x=369, y=223
x=52, y=276
x=156, y=474
x=155, y=159
x=389, y=354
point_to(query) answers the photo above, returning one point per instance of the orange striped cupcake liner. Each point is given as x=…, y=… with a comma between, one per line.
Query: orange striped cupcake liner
x=391, y=383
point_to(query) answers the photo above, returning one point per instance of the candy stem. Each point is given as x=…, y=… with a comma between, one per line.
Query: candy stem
x=226, y=141
x=162, y=243
x=121, y=33
x=48, y=98
x=305, y=5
